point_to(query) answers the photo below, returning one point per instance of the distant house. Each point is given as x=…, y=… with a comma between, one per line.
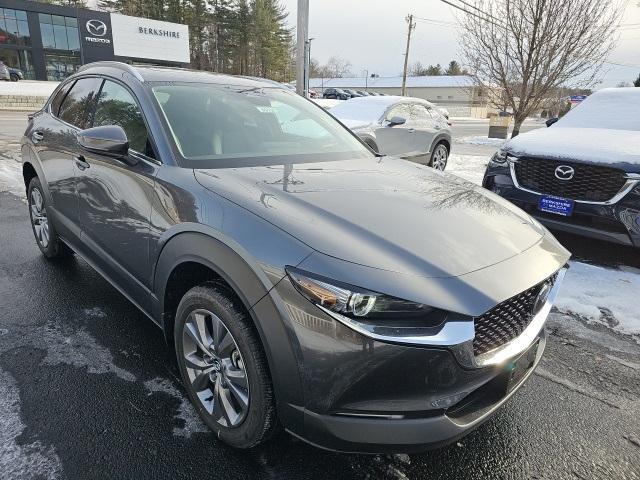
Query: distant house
x=457, y=93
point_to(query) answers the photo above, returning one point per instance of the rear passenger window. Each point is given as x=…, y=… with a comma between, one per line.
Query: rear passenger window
x=78, y=104
x=57, y=100
x=116, y=106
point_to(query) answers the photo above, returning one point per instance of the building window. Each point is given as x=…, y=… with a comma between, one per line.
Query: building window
x=19, y=58
x=14, y=29
x=59, y=66
x=58, y=32
x=439, y=97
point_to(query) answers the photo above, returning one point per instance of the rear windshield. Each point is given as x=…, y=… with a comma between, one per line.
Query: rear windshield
x=224, y=122
x=613, y=108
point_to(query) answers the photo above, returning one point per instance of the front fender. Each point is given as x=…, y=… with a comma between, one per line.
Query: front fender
x=251, y=283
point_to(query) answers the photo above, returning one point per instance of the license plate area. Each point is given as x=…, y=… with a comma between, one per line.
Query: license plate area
x=556, y=205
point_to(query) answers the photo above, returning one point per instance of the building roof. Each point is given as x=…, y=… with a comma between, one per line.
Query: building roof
x=436, y=81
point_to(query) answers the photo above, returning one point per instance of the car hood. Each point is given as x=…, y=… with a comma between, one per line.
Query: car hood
x=384, y=213
x=594, y=145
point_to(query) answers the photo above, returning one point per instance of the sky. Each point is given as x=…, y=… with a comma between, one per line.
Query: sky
x=372, y=35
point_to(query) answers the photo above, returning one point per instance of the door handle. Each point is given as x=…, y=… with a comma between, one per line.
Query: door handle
x=438, y=127
x=37, y=136
x=81, y=163
x=411, y=130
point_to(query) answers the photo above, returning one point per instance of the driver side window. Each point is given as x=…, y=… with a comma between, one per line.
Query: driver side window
x=402, y=110
x=116, y=106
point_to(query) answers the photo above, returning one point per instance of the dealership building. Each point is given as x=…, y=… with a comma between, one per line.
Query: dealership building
x=50, y=42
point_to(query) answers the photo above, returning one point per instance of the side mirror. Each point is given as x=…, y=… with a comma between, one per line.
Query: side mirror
x=551, y=121
x=393, y=121
x=110, y=140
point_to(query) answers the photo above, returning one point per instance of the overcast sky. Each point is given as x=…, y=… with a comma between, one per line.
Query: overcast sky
x=371, y=34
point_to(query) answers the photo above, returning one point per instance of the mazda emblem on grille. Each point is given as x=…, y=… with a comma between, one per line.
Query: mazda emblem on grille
x=564, y=172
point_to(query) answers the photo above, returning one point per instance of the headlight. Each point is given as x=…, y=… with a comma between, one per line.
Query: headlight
x=370, y=310
x=501, y=156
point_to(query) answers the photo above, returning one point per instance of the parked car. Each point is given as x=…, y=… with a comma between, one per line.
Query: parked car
x=361, y=303
x=362, y=93
x=15, y=74
x=581, y=175
x=335, y=93
x=313, y=94
x=405, y=127
x=4, y=72
x=352, y=93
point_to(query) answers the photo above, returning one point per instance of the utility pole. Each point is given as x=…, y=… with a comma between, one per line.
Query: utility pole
x=301, y=45
x=406, y=54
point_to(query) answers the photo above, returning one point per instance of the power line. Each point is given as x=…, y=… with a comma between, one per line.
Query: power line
x=485, y=16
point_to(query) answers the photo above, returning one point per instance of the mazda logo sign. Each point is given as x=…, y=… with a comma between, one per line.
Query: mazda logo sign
x=97, y=28
x=564, y=172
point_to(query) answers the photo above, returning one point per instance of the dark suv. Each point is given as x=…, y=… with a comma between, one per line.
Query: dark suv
x=335, y=93
x=363, y=303
x=581, y=175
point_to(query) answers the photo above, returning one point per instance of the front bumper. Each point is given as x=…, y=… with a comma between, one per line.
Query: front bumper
x=617, y=222
x=380, y=395
x=367, y=433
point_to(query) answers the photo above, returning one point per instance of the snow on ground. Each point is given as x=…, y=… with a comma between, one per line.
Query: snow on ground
x=469, y=167
x=11, y=176
x=481, y=140
x=602, y=295
x=28, y=88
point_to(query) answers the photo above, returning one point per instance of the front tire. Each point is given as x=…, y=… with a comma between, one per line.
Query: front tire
x=223, y=366
x=43, y=229
x=14, y=77
x=439, y=157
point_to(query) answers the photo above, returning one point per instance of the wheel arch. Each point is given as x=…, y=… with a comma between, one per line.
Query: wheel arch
x=441, y=138
x=248, y=283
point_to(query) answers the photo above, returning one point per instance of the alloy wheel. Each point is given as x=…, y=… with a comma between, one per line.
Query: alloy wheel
x=439, y=161
x=215, y=368
x=39, y=218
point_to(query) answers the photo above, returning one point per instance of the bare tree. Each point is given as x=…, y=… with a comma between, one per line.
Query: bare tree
x=335, y=67
x=529, y=48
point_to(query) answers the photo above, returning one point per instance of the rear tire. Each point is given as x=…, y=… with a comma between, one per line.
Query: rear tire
x=219, y=354
x=43, y=228
x=439, y=157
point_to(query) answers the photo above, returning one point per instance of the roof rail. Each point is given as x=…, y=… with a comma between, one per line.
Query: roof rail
x=119, y=65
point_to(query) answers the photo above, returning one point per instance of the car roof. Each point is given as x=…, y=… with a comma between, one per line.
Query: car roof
x=150, y=73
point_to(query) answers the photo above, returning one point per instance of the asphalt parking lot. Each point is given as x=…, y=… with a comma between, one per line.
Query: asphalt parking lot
x=88, y=388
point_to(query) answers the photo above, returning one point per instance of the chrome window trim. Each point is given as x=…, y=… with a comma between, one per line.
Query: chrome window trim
x=458, y=335
x=633, y=179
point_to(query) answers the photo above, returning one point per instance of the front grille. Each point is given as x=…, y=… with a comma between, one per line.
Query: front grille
x=592, y=183
x=506, y=321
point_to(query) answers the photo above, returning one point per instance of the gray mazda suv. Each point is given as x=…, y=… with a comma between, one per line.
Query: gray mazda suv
x=361, y=302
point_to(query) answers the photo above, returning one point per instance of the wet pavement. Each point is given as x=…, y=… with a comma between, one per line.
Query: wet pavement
x=88, y=389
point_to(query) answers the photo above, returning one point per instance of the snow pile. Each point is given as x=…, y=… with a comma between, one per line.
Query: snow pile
x=28, y=88
x=602, y=295
x=326, y=103
x=481, y=140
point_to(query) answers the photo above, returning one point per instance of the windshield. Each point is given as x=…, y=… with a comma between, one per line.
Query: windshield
x=218, y=122
x=612, y=108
